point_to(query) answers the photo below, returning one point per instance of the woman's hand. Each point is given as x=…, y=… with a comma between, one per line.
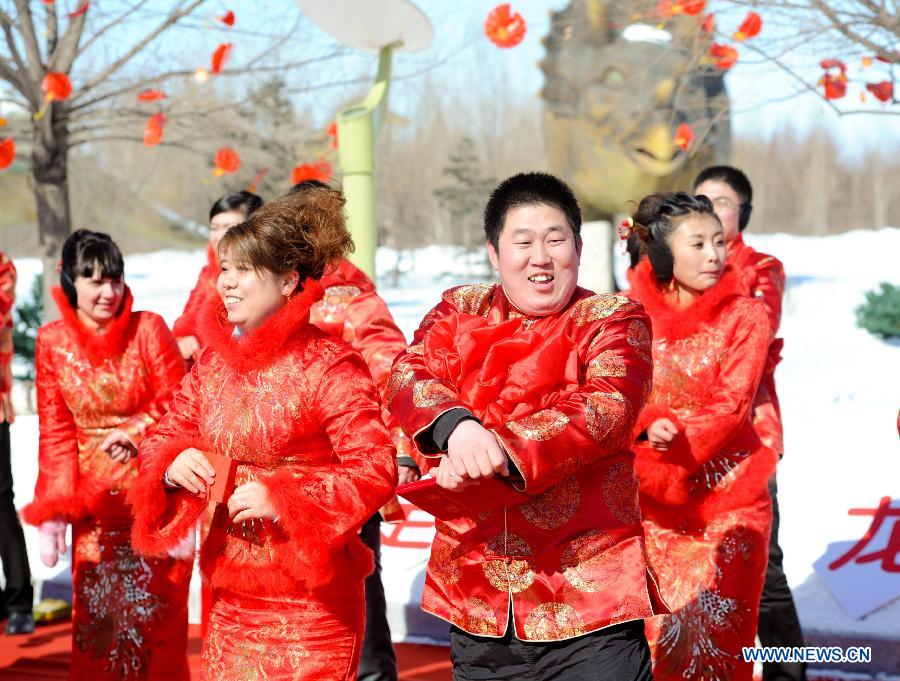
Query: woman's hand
x=53, y=541
x=249, y=501
x=119, y=447
x=187, y=346
x=661, y=433
x=191, y=470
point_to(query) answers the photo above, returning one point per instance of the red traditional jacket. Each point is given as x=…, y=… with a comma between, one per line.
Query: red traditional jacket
x=763, y=278
x=352, y=310
x=204, y=294
x=561, y=394
x=89, y=384
x=708, y=360
x=7, y=298
x=298, y=411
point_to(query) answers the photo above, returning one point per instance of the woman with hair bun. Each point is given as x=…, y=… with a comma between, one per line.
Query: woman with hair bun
x=297, y=412
x=228, y=211
x=105, y=376
x=702, y=469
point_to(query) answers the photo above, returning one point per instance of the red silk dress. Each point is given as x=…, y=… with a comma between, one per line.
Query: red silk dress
x=129, y=617
x=705, y=503
x=298, y=412
x=203, y=294
x=351, y=309
x=763, y=277
x=561, y=393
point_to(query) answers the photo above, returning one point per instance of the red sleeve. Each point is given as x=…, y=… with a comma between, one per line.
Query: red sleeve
x=370, y=329
x=769, y=287
x=165, y=367
x=56, y=492
x=337, y=498
x=593, y=420
x=7, y=285
x=186, y=324
x=413, y=394
x=162, y=518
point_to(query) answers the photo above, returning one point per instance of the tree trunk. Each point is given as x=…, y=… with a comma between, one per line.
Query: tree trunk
x=49, y=171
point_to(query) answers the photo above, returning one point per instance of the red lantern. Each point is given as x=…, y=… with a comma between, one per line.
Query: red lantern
x=834, y=80
x=684, y=137
x=7, y=152
x=227, y=161
x=228, y=18
x=749, y=28
x=220, y=56
x=709, y=24
x=503, y=28
x=56, y=85
x=725, y=56
x=883, y=91
x=150, y=95
x=320, y=171
x=153, y=131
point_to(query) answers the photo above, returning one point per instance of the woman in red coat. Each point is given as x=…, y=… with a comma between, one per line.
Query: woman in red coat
x=702, y=469
x=228, y=211
x=104, y=377
x=297, y=412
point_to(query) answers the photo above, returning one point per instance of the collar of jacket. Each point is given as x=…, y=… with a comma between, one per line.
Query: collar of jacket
x=671, y=322
x=260, y=347
x=97, y=345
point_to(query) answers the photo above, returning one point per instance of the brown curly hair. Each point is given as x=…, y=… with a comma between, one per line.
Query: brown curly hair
x=304, y=232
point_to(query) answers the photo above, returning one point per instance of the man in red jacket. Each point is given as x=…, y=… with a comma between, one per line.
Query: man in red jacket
x=539, y=382
x=732, y=194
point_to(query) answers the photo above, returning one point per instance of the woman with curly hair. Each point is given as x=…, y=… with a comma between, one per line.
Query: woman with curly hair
x=297, y=412
x=703, y=471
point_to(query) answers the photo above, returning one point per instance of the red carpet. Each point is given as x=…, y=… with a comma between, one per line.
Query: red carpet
x=45, y=655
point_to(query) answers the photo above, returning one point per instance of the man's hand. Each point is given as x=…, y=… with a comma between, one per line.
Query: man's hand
x=191, y=470
x=661, y=433
x=188, y=345
x=407, y=474
x=249, y=501
x=474, y=452
x=119, y=447
x=448, y=479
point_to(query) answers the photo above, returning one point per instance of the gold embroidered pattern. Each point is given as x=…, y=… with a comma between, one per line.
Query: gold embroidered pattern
x=608, y=417
x=555, y=507
x=553, y=622
x=398, y=381
x=607, y=364
x=586, y=563
x=473, y=299
x=505, y=563
x=597, y=307
x=479, y=618
x=431, y=392
x=446, y=561
x=333, y=306
x=540, y=426
x=620, y=492
x=417, y=349
x=638, y=336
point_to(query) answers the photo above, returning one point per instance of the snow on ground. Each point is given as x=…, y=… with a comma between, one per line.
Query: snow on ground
x=839, y=389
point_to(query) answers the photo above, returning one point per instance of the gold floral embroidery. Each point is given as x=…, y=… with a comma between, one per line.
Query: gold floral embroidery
x=607, y=364
x=471, y=298
x=479, y=618
x=620, y=492
x=555, y=507
x=597, y=307
x=417, y=349
x=553, y=622
x=608, y=416
x=333, y=306
x=638, y=336
x=431, y=392
x=504, y=565
x=586, y=563
x=446, y=560
x=398, y=381
x=541, y=426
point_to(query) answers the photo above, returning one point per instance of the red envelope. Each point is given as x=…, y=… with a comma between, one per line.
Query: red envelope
x=488, y=495
x=225, y=468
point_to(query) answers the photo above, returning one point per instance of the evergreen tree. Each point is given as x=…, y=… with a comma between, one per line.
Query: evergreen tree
x=465, y=193
x=28, y=316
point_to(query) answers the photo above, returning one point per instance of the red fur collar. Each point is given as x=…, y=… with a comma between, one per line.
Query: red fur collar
x=260, y=347
x=97, y=345
x=670, y=322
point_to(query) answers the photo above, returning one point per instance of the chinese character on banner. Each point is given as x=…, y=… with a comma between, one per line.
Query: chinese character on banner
x=864, y=575
x=415, y=532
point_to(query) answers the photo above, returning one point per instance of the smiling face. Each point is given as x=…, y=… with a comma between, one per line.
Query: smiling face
x=221, y=223
x=537, y=259
x=251, y=296
x=98, y=297
x=698, y=250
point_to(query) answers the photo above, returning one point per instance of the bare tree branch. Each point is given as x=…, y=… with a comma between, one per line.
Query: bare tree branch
x=112, y=24
x=35, y=65
x=62, y=58
x=855, y=36
x=52, y=27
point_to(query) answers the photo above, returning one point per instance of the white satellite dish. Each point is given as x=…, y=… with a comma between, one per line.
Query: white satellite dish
x=369, y=26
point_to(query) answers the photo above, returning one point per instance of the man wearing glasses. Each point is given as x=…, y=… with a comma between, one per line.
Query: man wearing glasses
x=731, y=194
